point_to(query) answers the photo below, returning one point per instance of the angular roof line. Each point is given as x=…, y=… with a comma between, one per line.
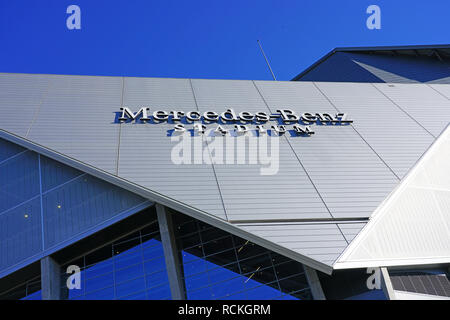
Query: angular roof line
x=417, y=177
x=373, y=49
x=164, y=200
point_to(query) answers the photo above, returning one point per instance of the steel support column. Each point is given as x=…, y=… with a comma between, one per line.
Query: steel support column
x=51, y=280
x=173, y=263
x=314, y=283
x=386, y=284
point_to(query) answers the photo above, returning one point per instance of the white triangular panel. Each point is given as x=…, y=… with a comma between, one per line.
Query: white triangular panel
x=412, y=226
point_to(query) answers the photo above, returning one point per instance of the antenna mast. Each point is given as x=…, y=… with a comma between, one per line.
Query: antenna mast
x=267, y=61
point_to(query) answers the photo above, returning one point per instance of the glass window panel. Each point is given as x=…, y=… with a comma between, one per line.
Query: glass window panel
x=159, y=292
x=129, y=273
x=156, y=279
x=154, y=266
x=152, y=249
x=128, y=258
x=9, y=149
x=19, y=180
x=235, y=268
x=136, y=296
x=222, y=289
x=98, y=283
x=202, y=294
x=82, y=204
x=105, y=294
x=98, y=255
x=219, y=244
x=55, y=173
x=197, y=281
x=20, y=233
x=293, y=283
x=194, y=266
x=285, y=269
x=130, y=287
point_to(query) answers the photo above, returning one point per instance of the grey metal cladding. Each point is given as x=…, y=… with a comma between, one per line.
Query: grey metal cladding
x=145, y=149
x=351, y=229
x=20, y=98
x=428, y=107
x=442, y=89
x=77, y=119
x=378, y=68
x=379, y=120
x=286, y=195
x=420, y=282
x=323, y=242
x=348, y=174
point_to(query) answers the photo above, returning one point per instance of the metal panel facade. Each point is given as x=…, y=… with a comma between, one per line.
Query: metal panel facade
x=145, y=149
x=412, y=227
x=341, y=172
x=76, y=119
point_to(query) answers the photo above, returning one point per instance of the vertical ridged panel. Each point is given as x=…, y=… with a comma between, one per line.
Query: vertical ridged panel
x=20, y=233
x=422, y=103
x=80, y=205
x=347, y=173
x=77, y=119
x=19, y=180
x=8, y=149
x=413, y=225
x=145, y=148
x=287, y=194
x=55, y=173
x=20, y=98
x=379, y=121
x=323, y=242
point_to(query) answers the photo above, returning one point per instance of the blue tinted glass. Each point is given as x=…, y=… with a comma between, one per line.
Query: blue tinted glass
x=19, y=180
x=81, y=204
x=55, y=173
x=34, y=296
x=8, y=149
x=105, y=294
x=130, y=287
x=125, y=275
x=369, y=295
x=20, y=233
x=221, y=266
x=99, y=283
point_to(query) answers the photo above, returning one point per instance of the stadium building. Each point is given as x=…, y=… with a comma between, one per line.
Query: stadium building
x=353, y=201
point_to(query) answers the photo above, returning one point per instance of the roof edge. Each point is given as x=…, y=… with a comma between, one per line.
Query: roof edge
x=374, y=48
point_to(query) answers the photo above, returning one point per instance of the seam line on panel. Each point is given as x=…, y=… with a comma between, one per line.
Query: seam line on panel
x=359, y=134
x=209, y=153
x=64, y=183
x=13, y=156
x=120, y=130
x=295, y=154
x=437, y=91
x=41, y=202
x=18, y=205
x=404, y=111
x=38, y=109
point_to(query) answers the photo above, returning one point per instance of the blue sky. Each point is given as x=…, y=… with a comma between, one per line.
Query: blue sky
x=203, y=39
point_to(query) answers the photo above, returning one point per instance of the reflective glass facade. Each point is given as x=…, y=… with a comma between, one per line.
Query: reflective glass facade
x=45, y=204
x=132, y=267
x=218, y=265
x=29, y=290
